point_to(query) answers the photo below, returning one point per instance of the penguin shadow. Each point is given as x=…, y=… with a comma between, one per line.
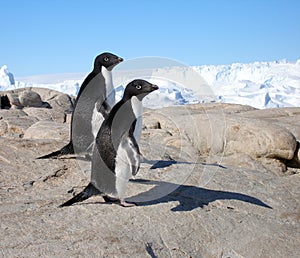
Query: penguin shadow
x=189, y=197
x=155, y=164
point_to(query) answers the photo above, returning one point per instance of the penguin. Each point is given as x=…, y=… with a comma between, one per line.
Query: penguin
x=116, y=154
x=94, y=101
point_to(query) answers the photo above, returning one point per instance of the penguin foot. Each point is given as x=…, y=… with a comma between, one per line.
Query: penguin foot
x=126, y=204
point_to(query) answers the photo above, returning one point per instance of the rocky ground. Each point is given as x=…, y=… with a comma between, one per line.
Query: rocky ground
x=218, y=180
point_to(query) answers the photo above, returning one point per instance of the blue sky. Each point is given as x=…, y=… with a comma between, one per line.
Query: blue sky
x=58, y=36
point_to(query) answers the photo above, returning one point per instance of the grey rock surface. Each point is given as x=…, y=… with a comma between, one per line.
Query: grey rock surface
x=209, y=186
x=235, y=134
x=30, y=99
x=48, y=130
x=31, y=106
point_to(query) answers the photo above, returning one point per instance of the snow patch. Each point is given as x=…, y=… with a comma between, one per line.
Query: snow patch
x=6, y=78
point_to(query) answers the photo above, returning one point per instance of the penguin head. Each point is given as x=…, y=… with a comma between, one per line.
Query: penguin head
x=139, y=88
x=108, y=60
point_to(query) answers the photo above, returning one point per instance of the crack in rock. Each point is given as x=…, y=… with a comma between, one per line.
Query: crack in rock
x=56, y=174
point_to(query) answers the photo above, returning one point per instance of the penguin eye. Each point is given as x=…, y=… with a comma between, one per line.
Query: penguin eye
x=138, y=87
x=106, y=59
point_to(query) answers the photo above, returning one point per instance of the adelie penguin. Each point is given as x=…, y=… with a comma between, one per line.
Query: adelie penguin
x=94, y=101
x=116, y=154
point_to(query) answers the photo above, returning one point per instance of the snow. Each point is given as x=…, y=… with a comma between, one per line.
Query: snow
x=66, y=83
x=70, y=87
x=6, y=78
x=258, y=84
x=169, y=94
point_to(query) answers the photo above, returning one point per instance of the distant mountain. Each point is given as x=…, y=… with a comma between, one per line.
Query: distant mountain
x=259, y=84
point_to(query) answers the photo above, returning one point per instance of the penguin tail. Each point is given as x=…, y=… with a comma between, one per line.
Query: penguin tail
x=89, y=191
x=68, y=149
x=53, y=155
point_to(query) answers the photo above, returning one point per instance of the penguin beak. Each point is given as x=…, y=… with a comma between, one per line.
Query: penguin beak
x=120, y=59
x=154, y=87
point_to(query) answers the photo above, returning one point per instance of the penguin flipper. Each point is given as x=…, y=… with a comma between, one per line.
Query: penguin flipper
x=104, y=109
x=68, y=149
x=89, y=191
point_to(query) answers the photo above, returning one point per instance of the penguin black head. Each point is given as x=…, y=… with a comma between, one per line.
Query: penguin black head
x=108, y=60
x=139, y=88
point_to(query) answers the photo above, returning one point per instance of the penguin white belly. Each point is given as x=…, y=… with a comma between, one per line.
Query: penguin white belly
x=137, y=108
x=122, y=168
x=138, y=129
x=110, y=92
x=127, y=164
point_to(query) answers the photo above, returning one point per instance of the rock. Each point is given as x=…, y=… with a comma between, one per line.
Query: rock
x=206, y=186
x=3, y=127
x=14, y=122
x=48, y=130
x=28, y=107
x=30, y=99
x=65, y=102
x=56, y=99
x=39, y=97
x=53, y=114
x=285, y=117
x=16, y=126
x=6, y=113
x=295, y=162
x=258, y=139
x=220, y=133
x=25, y=98
x=186, y=207
x=14, y=100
